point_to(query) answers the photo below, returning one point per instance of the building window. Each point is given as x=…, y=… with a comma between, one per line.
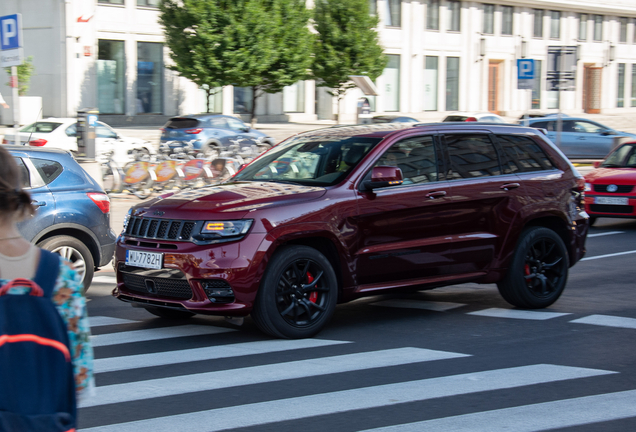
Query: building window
x=452, y=83
x=373, y=7
x=242, y=100
x=583, y=27
x=119, y=2
x=391, y=76
x=536, y=85
x=620, y=97
x=598, y=28
x=454, y=20
x=149, y=78
x=623, y=30
x=394, y=13
x=214, y=104
x=150, y=3
x=432, y=15
x=506, y=20
x=111, y=77
x=537, y=20
x=489, y=19
x=431, y=72
x=555, y=24
x=294, y=97
x=634, y=85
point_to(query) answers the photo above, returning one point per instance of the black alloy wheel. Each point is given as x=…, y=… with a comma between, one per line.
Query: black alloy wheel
x=298, y=294
x=538, y=272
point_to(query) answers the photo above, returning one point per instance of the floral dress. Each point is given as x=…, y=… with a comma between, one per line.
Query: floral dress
x=68, y=296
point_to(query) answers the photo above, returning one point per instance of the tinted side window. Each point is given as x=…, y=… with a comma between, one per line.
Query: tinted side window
x=471, y=156
x=71, y=131
x=540, y=124
x=49, y=170
x=24, y=174
x=523, y=154
x=218, y=122
x=416, y=157
x=41, y=127
x=181, y=123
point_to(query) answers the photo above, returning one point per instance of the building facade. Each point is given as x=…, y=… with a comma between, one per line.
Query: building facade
x=444, y=56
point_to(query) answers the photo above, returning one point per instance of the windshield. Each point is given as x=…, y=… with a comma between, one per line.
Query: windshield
x=624, y=156
x=41, y=127
x=309, y=160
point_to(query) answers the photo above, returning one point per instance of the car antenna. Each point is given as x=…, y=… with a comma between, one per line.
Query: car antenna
x=31, y=134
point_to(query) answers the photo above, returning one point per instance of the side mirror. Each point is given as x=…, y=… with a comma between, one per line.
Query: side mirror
x=608, y=132
x=384, y=176
x=597, y=164
x=246, y=129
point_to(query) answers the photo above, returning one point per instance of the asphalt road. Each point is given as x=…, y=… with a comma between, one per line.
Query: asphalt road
x=452, y=359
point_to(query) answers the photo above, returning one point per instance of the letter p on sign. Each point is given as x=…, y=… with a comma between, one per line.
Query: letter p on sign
x=10, y=32
x=525, y=69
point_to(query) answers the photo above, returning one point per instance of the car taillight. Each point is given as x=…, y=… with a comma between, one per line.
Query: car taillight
x=101, y=200
x=4, y=141
x=162, y=130
x=471, y=119
x=37, y=142
x=193, y=131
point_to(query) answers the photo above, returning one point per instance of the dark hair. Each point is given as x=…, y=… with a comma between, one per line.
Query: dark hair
x=13, y=200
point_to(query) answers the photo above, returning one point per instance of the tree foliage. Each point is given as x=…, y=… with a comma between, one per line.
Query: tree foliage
x=262, y=44
x=345, y=44
x=25, y=71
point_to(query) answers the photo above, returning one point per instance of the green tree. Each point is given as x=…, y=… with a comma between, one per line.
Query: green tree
x=262, y=44
x=346, y=44
x=25, y=71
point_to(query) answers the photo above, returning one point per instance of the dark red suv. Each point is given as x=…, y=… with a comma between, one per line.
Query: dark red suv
x=335, y=214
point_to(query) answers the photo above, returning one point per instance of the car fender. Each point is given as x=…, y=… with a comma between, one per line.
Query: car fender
x=213, y=142
x=67, y=229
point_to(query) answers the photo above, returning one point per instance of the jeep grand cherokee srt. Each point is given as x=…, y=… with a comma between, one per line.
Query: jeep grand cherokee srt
x=335, y=214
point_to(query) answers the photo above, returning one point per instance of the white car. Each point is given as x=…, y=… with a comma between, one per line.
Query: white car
x=474, y=117
x=62, y=133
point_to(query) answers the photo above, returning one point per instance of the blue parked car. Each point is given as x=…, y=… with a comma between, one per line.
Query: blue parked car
x=208, y=132
x=73, y=212
x=581, y=138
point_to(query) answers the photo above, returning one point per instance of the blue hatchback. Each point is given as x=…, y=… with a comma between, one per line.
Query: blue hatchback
x=73, y=212
x=208, y=132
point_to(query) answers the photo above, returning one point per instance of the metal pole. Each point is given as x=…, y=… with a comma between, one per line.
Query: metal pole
x=16, y=103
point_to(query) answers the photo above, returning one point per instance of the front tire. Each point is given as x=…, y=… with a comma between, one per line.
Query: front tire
x=298, y=294
x=76, y=252
x=538, y=271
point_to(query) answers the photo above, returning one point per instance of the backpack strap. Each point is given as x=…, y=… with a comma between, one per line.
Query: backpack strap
x=47, y=272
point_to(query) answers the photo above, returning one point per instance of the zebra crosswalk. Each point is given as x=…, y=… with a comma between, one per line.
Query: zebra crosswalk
x=236, y=366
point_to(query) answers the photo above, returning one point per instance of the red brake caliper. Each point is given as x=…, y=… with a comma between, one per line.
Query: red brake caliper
x=313, y=296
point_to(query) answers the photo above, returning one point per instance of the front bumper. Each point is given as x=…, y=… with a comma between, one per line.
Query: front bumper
x=193, y=277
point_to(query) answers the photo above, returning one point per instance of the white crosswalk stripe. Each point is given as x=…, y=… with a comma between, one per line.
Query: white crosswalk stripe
x=418, y=304
x=517, y=314
x=154, y=334
x=607, y=321
x=98, y=321
x=265, y=373
x=105, y=279
x=362, y=398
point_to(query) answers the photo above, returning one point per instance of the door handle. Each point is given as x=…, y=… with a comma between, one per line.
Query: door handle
x=509, y=186
x=38, y=203
x=581, y=138
x=436, y=194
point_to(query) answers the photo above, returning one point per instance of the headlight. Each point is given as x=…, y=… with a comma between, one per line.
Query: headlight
x=212, y=229
x=588, y=187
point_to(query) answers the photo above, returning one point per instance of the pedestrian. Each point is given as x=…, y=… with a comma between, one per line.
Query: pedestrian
x=2, y=102
x=20, y=259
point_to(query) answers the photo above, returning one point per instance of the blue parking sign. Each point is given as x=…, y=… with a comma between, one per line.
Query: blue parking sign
x=525, y=69
x=10, y=29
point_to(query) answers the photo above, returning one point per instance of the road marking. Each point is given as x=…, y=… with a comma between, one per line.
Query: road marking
x=155, y=334
x=347, y=400
x=261, y=374
x=517, y=314
x=111, y=364
x=607, y=321
x=105, y=279
x=97, y=321
x=419, y=304
x=601, y=234
x=608, y=255
x=533, y=418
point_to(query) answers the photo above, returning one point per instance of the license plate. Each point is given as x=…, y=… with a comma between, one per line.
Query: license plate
x=150, y=260
x=611, y=200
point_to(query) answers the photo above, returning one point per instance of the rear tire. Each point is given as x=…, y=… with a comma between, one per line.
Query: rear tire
x=538, y=271
x=298, y=294
x=76, y=252
x=170, y=314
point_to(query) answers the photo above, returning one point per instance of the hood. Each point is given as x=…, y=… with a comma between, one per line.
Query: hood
x=231, y=200
x=612, y=175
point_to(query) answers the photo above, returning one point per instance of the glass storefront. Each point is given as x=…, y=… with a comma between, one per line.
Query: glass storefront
x=111, y=77
x=452, y=83
x=242, y=100
x=392, y=83
x=431, y=71
x=294, y=97
x=149, y=78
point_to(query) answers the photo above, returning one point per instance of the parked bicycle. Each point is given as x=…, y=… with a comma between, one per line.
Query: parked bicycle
x=135, y=177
